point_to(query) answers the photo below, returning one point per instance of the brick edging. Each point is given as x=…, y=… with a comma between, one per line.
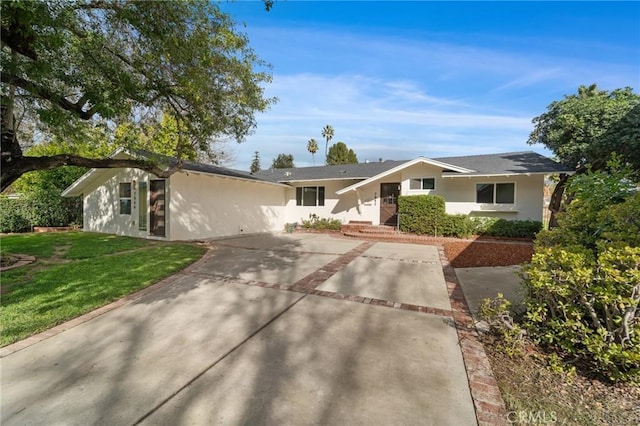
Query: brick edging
x=485, y=393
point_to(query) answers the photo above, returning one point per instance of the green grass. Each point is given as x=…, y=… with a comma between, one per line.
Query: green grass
x=86, y=272
x=83, y=245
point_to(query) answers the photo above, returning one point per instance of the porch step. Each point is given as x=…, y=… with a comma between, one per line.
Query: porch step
x=379, y=229
x=374, y=232
x=367, y=228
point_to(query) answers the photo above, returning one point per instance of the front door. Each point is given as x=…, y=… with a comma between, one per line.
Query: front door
x=157, y=211
x=389, y=193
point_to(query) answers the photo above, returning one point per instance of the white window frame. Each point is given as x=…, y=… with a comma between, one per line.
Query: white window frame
x=495, y=192
x=422, y=179
x=129, y=198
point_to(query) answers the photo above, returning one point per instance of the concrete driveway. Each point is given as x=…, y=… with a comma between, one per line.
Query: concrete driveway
x=301, y=329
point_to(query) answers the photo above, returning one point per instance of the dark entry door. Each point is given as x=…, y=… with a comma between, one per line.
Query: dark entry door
x=389, y=203
x=157, y=210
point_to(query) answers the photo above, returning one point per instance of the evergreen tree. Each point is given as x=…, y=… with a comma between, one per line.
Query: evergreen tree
x=340, y=154
x=283, y=161
x=255, y=164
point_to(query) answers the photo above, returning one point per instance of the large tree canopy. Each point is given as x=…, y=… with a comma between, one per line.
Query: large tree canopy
x=70, y=63
x=585, y=129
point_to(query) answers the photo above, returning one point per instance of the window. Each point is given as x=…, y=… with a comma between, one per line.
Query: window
x=422, y=184
x=495, y=193
x=125, y=198
x=310, y=196
x=505, y=193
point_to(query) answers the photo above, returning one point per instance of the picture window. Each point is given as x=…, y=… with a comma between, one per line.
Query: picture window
x=310, y=196
x=495, y=193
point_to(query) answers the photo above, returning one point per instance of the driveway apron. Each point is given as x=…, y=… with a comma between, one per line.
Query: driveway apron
x=300, y=329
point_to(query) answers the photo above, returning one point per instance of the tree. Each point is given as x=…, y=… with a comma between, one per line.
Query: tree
x=255, y=163
x=586, y=128
x=283, y=161
x=340, y=154
x=327, y=133
x=71, y=63
x=312, y=147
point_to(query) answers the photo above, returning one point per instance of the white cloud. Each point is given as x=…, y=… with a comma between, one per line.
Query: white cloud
x=392, y=119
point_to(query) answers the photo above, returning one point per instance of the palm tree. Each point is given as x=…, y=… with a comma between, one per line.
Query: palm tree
x=327, y=133
x=312, y=147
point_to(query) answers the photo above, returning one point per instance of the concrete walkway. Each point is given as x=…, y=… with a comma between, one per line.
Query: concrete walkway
x=298, y=329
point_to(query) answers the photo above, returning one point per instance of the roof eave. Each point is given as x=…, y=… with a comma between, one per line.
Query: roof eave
x=401, y=167
x=525, y=173
x=220, y=175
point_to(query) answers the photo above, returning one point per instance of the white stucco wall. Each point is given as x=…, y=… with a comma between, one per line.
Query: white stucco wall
x=459, y=193
x=205, y=206
x=102, y=204
x=345, y=207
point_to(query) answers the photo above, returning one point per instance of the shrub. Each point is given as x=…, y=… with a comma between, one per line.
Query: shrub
x=587, y=306
x=512, y=228
x=13, y=215
x=421, y=214
x=425, y=214
x=38, y=209
x=583, y=283
x=316, y=222
x=498, y=316
x=457, y=225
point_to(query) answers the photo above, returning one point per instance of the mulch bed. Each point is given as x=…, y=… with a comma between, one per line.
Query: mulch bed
x=474, y=253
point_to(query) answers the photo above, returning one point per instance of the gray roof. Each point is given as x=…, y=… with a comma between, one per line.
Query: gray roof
x=198, y=167
x=489, y=164
x=507, y=163
x=342, y=171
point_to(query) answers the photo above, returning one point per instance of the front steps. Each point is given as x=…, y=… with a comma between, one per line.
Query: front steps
x=369, y=231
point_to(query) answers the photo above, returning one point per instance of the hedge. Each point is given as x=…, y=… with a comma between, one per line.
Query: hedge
x=421, y=214
x=38, y=209
x=426, y=215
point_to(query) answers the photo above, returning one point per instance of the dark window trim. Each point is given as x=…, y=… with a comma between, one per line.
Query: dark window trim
x=319, y=196
x=494, y=192
x=422, y=179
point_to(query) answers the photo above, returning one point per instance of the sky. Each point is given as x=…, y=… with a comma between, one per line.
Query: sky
x=398, y=80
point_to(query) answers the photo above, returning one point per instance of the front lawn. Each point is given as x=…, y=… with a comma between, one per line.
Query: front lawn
x=77, y=272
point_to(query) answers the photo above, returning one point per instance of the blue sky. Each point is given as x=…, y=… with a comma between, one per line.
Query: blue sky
x=397, y=80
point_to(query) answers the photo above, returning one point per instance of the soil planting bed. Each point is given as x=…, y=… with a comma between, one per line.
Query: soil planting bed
x=470, y=254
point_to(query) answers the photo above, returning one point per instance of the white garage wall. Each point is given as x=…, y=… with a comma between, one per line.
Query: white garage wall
x=205, y=206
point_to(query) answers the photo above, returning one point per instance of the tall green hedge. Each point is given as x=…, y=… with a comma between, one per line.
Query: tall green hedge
x=38, y=209
x=421, y=214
